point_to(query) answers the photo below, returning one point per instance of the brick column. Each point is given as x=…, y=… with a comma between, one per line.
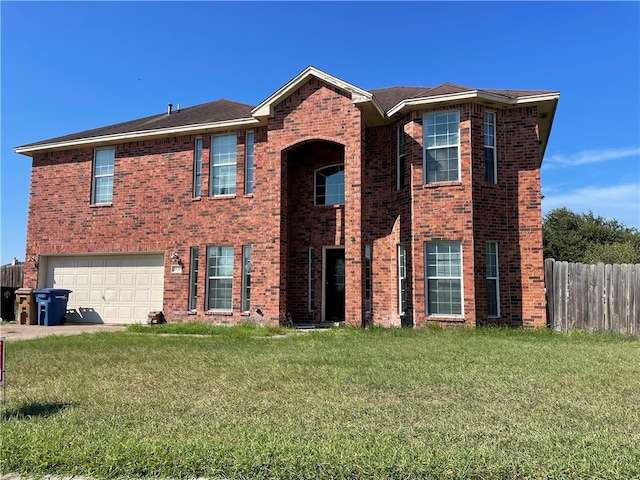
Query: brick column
x=353, y=248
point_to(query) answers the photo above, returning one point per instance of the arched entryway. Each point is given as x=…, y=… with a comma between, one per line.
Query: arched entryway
x=315, y=231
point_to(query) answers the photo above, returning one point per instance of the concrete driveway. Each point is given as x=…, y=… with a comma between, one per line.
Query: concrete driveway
x=13, y=331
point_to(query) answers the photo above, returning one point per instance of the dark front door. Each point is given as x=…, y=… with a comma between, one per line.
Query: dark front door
x=334, y=285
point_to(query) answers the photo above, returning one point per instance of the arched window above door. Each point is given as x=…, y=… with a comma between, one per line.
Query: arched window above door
x=329, y=185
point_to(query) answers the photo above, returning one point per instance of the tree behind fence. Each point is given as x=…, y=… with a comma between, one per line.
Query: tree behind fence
x=593, y=297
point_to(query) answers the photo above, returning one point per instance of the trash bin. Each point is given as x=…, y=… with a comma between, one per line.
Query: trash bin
x=26, y=313
x=52, y=305
x=8, y=308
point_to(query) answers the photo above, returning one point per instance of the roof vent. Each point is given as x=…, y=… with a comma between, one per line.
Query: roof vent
x=169, y=108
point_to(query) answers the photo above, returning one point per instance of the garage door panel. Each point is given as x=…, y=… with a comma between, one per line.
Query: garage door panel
x=110, y=289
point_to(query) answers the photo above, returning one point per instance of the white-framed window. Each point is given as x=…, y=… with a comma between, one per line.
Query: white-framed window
x=442, y=146
x=219, y=278
x=197, y=167
x=400, y=161
x=368, y=284
x=493, y=281
x=329, y=185
x=402, y=279
x=223, y=165
x=193, y=278
x=443, y=265
x=490, y=162
x=312, y=279
x=246, y=278
x=248, y=165
x=102, y=182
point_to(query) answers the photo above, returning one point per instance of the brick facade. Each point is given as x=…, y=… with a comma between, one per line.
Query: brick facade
x=313, y=126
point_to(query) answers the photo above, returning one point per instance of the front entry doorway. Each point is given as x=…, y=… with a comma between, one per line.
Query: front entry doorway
x=334, y=283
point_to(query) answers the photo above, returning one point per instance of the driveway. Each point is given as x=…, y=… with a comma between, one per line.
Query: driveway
x=13, y=331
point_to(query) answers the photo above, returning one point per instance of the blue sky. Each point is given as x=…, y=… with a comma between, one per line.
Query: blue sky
x=68, y=67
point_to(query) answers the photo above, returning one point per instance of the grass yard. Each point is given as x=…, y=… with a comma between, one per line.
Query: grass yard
x=245, y=403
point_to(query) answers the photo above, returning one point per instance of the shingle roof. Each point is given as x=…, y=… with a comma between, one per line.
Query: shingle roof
x=391, y=96
x=216, y=111
x=229, y=111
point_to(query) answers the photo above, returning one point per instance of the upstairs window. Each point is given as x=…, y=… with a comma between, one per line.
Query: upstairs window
x=330, y=185
x=400, y=161
x=102, y=182
x=442, y=146
x=197, y=168
x=223, y=165
x=248, y=166
x=490, y=164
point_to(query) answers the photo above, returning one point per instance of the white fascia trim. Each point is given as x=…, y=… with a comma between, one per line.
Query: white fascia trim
x=141, y=134
x=474, y=94
x=537, y=98
x=357, y=94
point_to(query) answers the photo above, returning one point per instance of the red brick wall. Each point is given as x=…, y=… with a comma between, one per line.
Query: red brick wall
x=314, y=112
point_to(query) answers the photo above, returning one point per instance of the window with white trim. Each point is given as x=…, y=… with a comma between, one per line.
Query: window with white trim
x=402, y=279
x=248, y=165
x=442, y=146
x=444, y=278
x=490, y=163
x=223, y=165
x=493, y=281
x=329, y=185
x=246, y=278
x=102, y=181
x=312, y=279
x=197, y=167
x=219, y=278
x=368, y=285
x=193, y=278
x=400, y=161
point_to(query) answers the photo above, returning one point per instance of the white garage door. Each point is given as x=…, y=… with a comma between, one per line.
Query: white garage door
x=109, y=288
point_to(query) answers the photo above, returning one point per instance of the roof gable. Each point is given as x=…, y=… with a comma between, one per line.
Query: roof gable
x=358, y=95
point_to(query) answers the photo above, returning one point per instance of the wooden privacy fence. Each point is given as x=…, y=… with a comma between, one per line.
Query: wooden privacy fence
x=593, y=297
x=12, y=275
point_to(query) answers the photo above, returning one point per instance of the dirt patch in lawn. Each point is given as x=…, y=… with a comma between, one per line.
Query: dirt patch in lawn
x=14, y=331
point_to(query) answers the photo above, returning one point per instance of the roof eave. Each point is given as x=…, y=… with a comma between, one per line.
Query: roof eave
x=478, y=95
x=29, y=150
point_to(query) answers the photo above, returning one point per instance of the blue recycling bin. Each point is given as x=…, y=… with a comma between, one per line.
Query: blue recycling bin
x=52, y=305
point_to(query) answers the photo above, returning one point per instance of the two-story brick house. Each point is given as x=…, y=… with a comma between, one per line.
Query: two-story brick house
x=403, y=205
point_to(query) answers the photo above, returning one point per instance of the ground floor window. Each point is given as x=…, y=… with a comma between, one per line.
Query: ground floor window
x=193, y=278
x=402, y=279
x=443, y=265
x=219, y=278
x=493, y=283
x=312, y=279
x=246, y=278
x=368, y=288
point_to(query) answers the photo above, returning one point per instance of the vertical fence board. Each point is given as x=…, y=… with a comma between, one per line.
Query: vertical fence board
x=549, y=290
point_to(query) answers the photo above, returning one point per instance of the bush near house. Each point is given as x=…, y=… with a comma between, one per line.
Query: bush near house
x=335, y=404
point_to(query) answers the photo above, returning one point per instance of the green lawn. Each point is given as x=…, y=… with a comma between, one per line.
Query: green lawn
x=244, y=402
